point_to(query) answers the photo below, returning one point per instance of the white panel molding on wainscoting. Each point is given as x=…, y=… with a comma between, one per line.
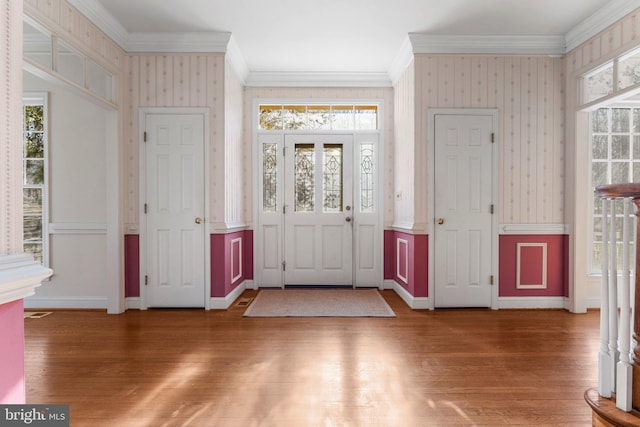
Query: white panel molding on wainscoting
x=19, y=276
x=237, y=242
x=404, y=242
x=543, y=267
x=77, y=228
x=533, y=229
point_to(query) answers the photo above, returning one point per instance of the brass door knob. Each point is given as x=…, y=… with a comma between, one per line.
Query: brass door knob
x=198, y=220
x=440, y=221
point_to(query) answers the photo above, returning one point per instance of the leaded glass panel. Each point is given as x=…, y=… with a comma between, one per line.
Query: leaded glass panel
x=343, y=117
x=269, y=177
x=366, y=178
x=294, y=117
x=629, y=70
x=332, y=178
x=366, y=117
x=271, y=117
x=319, y=117
x=304, y=190
x=598, y=84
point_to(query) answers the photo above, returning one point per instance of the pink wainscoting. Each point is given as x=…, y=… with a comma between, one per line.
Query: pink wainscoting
x=131, y=265
x=406, y=259
x=531, y=265
x=12, y=388
x=231, y=261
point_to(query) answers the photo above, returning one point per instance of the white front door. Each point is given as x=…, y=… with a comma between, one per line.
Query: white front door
x=318, y=205
x=175, y=233
x=463, y=209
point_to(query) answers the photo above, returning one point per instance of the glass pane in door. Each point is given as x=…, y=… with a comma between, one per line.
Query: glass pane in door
x=332, y=178
x=304, y=191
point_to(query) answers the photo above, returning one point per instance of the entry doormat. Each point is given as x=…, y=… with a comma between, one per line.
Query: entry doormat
x=319, y=303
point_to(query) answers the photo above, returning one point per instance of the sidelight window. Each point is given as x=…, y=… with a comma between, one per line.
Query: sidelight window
x=34, y=176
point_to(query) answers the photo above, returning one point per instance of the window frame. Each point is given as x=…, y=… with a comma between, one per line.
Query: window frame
x=634, y=139
x=31, y=99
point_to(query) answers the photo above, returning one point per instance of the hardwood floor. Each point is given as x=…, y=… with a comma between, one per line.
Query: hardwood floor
x=422, y=368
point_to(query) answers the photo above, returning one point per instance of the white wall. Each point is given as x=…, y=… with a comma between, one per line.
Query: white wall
x=77, y=199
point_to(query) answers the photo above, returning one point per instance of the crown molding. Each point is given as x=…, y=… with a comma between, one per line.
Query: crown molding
x=236, y=60
x=208, y=42
x=599, y=21
x=319, y=79
x=95, y=12
x=503, y=45
x=401, y=61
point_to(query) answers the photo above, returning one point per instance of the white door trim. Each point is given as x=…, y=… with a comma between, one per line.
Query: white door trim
x=432, y=113
x=143, y=112
x=279, y=138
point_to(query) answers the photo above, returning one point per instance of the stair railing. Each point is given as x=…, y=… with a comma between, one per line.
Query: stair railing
x=618, y=364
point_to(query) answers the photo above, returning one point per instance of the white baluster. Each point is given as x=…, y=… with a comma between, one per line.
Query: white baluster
x=605, y=381
x=613, y=297
x=624, y=378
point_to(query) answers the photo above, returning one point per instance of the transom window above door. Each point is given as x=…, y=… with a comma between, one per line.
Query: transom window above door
x=318, y=117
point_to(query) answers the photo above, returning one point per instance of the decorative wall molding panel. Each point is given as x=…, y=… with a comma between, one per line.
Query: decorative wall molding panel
x=531, y=266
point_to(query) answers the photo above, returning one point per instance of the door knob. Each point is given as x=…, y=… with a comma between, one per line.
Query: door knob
x=348, y=219
x=198, y=220
x=440, y=221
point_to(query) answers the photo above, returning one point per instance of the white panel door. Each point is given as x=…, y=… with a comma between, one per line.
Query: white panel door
x=318, y=220
x=463, y=210
x=175, y=234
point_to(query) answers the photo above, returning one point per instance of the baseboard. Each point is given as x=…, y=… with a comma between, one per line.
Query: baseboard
x=593, y=303
x=416, y=303
x=132, y=303
x=388, y=284
x=222, y=303
x=531, y=302
x=70, y=302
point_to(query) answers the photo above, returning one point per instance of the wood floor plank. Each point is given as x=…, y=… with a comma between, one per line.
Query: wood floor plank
x=421, y=368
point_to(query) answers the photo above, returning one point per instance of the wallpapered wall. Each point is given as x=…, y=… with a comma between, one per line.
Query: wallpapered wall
x=528, y=92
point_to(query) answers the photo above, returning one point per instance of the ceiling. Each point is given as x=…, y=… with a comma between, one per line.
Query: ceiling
x=351, y=36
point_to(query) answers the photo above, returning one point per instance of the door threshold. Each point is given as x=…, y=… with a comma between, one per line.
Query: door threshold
x=318, y=286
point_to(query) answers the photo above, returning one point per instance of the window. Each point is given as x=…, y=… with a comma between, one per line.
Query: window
x=615, y=159
x=318, y=117
x=34, y=176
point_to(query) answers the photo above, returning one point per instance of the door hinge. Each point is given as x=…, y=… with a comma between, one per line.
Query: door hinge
x=491, y=280
x=284, y=209
x=284, y=265
x=146, y=280
x=491, y=209
x=493, y=137
x=284, y=151
x=145, y=136
x=145, y=208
